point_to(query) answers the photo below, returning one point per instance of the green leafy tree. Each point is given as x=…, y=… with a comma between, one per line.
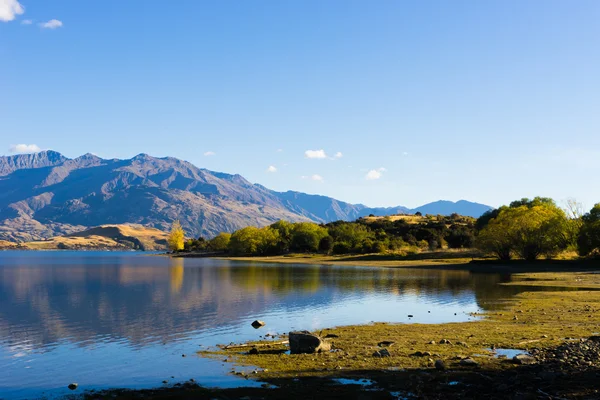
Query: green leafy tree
x=588, y=241
x=246, y=241
x=341, y=248
x=306, y=237
x=176, y=237
x=219, y=243
x=326, y=245
x=270, y=242
x=527, y=230
x=285, y=229
x=351, y=233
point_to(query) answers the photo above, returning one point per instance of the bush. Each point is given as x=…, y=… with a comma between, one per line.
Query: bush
x=342, y=248
x=588, y=241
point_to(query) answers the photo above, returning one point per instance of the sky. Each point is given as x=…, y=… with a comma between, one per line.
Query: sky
x=383, y=103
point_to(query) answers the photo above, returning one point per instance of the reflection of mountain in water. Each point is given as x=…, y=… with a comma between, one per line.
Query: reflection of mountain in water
x=43, y=304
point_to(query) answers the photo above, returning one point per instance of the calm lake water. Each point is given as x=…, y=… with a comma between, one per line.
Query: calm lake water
x=109, y=319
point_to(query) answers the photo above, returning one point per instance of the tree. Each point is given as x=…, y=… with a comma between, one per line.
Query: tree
x=245, y=241
x=459, y=236
x=528, y=230
x=285, y=235
x=351, y=233
x=575, y=214
x=326, y=245
x=254, y=241
x=219, y=243
x=176, y=237
x=588, y=241
x=306, y=237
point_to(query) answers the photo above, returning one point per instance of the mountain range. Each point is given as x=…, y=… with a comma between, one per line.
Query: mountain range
x=46, y=194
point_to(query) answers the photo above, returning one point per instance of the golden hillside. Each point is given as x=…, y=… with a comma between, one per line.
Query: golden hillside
x=125, y=237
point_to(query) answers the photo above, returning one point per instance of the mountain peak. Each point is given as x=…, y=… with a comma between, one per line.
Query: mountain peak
x=46, y=158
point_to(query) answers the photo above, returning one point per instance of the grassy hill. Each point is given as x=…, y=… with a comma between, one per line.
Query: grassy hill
x=424, y=219
x=124, y=237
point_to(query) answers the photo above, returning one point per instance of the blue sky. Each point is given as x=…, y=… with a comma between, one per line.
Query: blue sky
x=420, y=100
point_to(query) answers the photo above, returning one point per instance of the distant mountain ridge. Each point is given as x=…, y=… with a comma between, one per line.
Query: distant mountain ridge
x=46, y=194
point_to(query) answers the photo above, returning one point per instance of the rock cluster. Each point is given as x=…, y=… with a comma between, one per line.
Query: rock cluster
x=578, y=354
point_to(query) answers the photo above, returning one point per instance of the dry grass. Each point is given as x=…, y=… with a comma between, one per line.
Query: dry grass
x=410, y=219
x=105, y=237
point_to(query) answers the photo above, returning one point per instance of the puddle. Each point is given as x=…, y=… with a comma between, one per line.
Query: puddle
x=508, y=353
x=347, y=381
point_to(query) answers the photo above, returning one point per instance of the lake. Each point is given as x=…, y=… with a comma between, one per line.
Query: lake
x=124, y=319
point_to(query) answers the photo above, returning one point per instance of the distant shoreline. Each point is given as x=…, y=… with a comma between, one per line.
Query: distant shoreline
x=433, y=262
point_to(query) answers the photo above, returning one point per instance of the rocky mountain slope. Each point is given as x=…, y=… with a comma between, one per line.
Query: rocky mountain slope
x=45, y=195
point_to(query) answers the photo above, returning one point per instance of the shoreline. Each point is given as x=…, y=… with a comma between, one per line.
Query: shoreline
x=538, y=322
x=442, y=263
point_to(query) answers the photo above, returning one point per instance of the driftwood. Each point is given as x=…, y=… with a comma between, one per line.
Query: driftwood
x=241, y=346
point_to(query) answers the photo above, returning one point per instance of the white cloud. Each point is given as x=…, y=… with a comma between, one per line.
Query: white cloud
x=27, y=22
x=375, y=174
x=52, y=24
x=9, y=9
x=338, y=155
x=279, y=150
x=272, y=168
x=24, y=148
x=315, y=177
x=210, y=153
x=315, y=154
x=405, y=153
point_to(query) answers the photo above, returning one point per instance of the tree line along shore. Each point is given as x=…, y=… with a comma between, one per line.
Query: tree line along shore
x=527, y=229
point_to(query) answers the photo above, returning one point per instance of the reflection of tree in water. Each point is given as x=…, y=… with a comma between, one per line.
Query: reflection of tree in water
x=144, y=305
x=490, y=295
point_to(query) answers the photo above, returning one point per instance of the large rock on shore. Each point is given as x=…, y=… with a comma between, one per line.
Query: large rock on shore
x=306, y=342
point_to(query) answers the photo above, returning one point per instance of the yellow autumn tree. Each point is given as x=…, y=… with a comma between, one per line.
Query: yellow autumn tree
x=176, y=237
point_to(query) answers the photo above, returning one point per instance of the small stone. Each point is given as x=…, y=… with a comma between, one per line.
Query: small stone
x=440, y=365
x=192, y=380
x=253, y=351
x=432, y=342
x=385, y=343
x=258, y=324
x=73, y=386
x=469, y=362
x=382, y=353
x=410, y=315
x=523, y=359
x=183, y=355
x=165, y=382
